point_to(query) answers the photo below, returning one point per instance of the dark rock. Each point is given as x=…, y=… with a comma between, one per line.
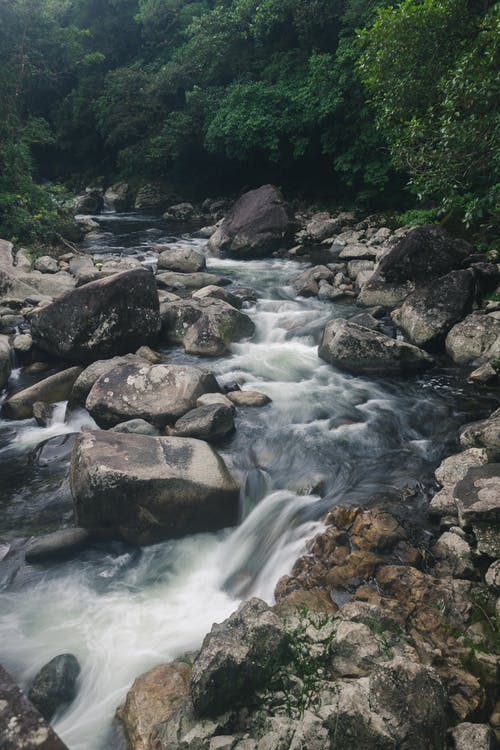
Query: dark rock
x=248, y=398
x=21, y=725
x=144, y=489
x=55, y=450
x=307, y=283
x=55, y=684
x=54, y=388
x=257, y=225
x=236, y=658
x=118, y=197
x=211, y=422
x=89, y=202
x=56, y=546
x=362, y=351
x=152, y=195
x=181, y=259
x=112, y=316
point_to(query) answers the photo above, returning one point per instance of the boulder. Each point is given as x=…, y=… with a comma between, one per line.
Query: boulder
x=13, y=288
x=320, y=227
x=158, y=394
x=55, y=684
x=467, y=736
x=54, y=388
x=118, y=197
x=477, y=497
x=112, y=316
x=89, y=202
x=355, y=650
x=307, y=283
x=5, y=360
x=181, y=259
x=257, y=224
x=248, y=398
x=48, y=284
x=236, y=658
x=483, y=434
x=42, y=413
x=211, y=422
x=214, y=398
x=104, y=268
x=145, y=352
x=360, y=350
x=147, y=489
x=204, y=326
x=58, y=545
x=152, y=195
x=219, y=292
x=46, y=264
x=91, y=374
x=180, y=212
x=492, y=577
x=188, y=282
x=454, y=555
x=427, y=314
x=136, y=427
x=475, y=339
x=153, y=697
x=21, y=726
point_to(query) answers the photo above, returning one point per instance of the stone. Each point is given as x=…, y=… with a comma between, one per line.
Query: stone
x=483, y=434
x=55, y=684
x=236, y=659
x=153, y=697
x=427, y=314
x=5, y=360
x=257, y=224
x=214, y=398
x=248, y=398
x=492, y=577
x=54, y=388
x=477, y=497
x=189, y=282
x=455, y=555
x=467, y=736
x=454, y=468
x=484, y=374
x=15, y=289
x=42, y=413
x=320, y=227
x=145, y=352
x=118, y=197
x=360, y=350
x=22, y=343
x=89, y=202
x=21, y=726
x=307, y=283
x=355, y=650
x=180, y=211
x=211, y=422
x=46, y=264
x=219, y=293
x=366, y=320
x=104, y=268
x=204, y=326
x=182, y=259
x=160, y=394
x=51, y=285
x=136, y=427
x=147, y=489
x=59, y=545
x=104, y=318
x=91, y=374
x=475, y=339
x=151, y=195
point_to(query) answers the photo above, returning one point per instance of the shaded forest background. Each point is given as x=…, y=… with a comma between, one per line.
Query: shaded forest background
x=360, y=102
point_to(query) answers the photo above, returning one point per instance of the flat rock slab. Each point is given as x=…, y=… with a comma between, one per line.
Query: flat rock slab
x=158, y=394
x=21, y=726
x=146, y=489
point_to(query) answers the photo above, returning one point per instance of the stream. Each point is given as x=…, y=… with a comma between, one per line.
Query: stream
x=122, y=610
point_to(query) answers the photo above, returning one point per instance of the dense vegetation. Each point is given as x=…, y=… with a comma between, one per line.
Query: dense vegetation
x=350, y=99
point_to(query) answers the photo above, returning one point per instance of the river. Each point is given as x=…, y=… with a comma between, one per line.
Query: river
x=122, y=610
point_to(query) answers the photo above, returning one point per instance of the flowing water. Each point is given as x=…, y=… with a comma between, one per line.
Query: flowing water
x=121, y=610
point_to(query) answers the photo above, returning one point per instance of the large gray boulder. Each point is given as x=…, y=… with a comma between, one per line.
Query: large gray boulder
x=157, y=393
x=475, y=339
x=181, y=259
x=98, y=320
x=236, y=658
x=427, y=314
x=54, y=388
x=5, y=360
x=483, y=434
x=477, y=497
x=204, y=326
x=146, y=489
x=210, y=422
x=118, y=197
x=361, y=350
x=55, y=684
x=307, y=283
x=91, y=374
x=257, y=225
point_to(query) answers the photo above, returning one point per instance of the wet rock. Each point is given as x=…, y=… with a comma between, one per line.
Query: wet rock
x=136, y=427
x=5, y=360
x=42, y=413
x=204, y=326
x=188, y=282
x=58, y=545
x=214, y=398
x=46, y=264
x=153, y=697
x=475, y=339
x=21, y=725
x=307, y=283
x=146, y=353
x=89, y=202
x=236, y=659
x=477, y=497
x=219, y=293
x=157, y=393
x=484, y=374
x=118, y=197
x=146, y=489
x=245, y=294
x=428, y=314
x=55, y=685
x=483, y=434
x=467, y=736
x=54, y=388
x=248, y=398
x=91, y=374
x=22, y=344
x=56, y=450
x=181, y=259
x=257, y=225
x=211, y=422
x=362, y=351
x=366, y=320
x=100, y=319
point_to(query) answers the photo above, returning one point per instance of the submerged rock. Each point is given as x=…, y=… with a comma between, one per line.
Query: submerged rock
x=146, y=489
x=55, y=684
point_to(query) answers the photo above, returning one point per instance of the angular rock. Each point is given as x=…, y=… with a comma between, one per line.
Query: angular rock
x=49, y=285
x=145, y=489
x=58, y=545
x=248, y=398
x=204, y=326
x=42, y=413
x=467, y=736
x=355, y=650
x=484, y=374
x=236, y=658
x=21, y=726
x=475, y=339
x=492, y=577
x=158, y=394
x=136, y=427
x=483, y=434
x=89, y=202
x=455, y=555
x=257, y=225
x=46, y=264
x=118, y=197
x=180, y=212
x=5, y=360
x=362, y=351
x=101, y=319
x=214, y=398
x=307, y=283
x=55, y=684
x=145, y=352
x=219, y=293
x=54, y=388
x=478, y=501
x=91, y=374
x=181, y=259
x=211, y=422
x=427, y=314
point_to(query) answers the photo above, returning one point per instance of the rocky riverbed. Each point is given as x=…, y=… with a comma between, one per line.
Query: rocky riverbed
x=189, y=424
